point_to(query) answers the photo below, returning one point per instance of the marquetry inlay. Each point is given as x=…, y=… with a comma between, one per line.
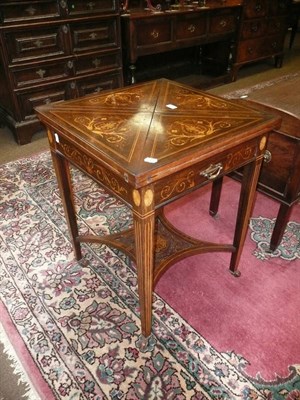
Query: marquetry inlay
x=136, y=197
x=94, y=169
x=262, y=143
x=143, y=126
x=180, y=185
x=148, y=197
x=150, y=144
x=234, y=158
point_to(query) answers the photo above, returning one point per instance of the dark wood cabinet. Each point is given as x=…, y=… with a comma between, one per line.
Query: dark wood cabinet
x=147, y=32
x=263, y=27
x=53, y=50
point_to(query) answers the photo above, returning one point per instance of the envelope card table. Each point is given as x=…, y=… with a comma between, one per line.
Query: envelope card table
x=150, y=144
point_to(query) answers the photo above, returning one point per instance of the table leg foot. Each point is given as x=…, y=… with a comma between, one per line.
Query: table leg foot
x=237, y=273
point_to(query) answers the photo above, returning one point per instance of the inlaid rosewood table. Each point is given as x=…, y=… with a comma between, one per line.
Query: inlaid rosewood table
x=150, y=144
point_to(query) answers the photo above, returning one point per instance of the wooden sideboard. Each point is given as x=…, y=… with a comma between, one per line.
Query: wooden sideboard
x=262, y=31
x=53, y=50
x=146, y=32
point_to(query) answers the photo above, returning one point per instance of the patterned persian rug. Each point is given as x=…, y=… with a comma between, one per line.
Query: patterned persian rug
x=74, y=326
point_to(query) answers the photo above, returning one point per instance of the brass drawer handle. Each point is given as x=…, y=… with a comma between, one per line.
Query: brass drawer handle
x=154, y=34
x=192, y=28
x=212, y=171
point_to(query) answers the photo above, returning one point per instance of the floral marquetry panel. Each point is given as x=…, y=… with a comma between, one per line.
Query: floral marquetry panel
x=139, y=129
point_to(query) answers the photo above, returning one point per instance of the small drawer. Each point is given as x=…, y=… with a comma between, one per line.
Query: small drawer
x=86, y=7
x=90, y=36
x=255, y=8
x=28, y=11
x=174, y=186
x=254, y=28
x=250, y=50
x=29, y=44
x=274, y=44
x=29, y=99
x=223, y=23
x=42, y=73
x=150, y=32
x=100, y=82
x=277, y=25
x=189, y=27
x=93, y=63
x=262, y=48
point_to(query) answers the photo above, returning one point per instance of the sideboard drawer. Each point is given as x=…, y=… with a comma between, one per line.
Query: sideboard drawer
x=23, y=45
x=42, y=73
x=153, y=32
x=98, y=83
x=29, y=99
x=223, y=22
x=259, y=48
x=83, y=7
x=92, y=63
x=254, y=28
x=255, y=8
x=90, y=36
x=22, y=11
x=189, y=27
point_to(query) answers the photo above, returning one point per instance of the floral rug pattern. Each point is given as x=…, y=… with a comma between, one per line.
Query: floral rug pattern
x=289, y=247
x=80, y=320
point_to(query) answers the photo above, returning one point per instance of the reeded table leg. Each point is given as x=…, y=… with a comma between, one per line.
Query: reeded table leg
x=144, y=226
x=63, y=176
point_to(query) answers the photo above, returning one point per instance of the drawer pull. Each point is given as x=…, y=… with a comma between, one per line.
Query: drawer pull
x=65, y=29
x=38, y=43
x=223, y=23
x=258, y=8
x=90, y=5
x=41, y=73
x=212, y=171
x=70, y=64
x=97, y=62
x=93, y=36
x=154, y=34
x=267, y=156
x=192, y=28
x=63, y=4
x=30, y=11
x=254, y=28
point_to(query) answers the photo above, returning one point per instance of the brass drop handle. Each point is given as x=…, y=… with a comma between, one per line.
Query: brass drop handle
x=212, y=171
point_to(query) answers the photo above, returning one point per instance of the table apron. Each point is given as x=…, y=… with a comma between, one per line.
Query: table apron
x=168, y=188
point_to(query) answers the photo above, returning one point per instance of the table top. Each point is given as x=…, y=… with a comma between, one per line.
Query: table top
x=150, y=130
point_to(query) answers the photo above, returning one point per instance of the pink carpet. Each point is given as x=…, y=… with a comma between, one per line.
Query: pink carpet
x=256, y=315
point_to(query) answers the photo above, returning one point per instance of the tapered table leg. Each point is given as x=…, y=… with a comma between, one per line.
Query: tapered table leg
x=144, y=226
x=62, y=170
x=246, y=202
x=280, y=225
x=215, y=196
